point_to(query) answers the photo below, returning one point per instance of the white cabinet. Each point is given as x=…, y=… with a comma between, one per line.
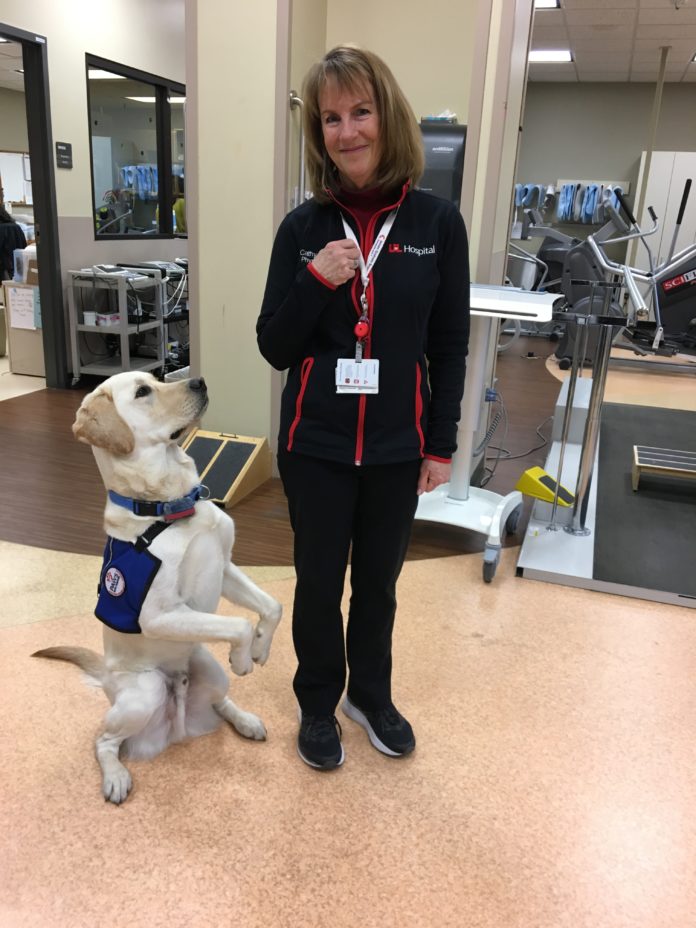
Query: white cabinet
x=669, y=171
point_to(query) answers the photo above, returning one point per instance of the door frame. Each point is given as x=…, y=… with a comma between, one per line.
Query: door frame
x=43, y=182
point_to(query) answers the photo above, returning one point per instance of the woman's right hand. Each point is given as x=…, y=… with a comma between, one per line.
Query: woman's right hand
x=338, y=261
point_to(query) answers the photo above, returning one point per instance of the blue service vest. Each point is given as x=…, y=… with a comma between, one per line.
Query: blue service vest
x=126, y=576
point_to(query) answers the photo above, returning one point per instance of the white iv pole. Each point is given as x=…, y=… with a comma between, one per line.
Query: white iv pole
x=457, y=502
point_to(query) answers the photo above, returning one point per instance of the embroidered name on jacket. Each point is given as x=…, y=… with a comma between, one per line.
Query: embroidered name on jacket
x=395, y=249
x=126, y=576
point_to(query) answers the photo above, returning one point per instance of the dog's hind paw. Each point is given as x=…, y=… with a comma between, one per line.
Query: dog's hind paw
x=246, y=723
x=116, y=785
x=250, y=726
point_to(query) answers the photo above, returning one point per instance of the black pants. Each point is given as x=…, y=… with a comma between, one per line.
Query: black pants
x=331, y=506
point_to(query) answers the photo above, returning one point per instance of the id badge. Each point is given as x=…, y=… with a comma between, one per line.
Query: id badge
x=357, y=376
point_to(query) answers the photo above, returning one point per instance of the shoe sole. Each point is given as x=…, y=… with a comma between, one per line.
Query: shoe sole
x=331, y=766
x=357, y=716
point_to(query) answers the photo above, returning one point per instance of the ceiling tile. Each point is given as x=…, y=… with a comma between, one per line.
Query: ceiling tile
x=598, y=5
x=601, y=17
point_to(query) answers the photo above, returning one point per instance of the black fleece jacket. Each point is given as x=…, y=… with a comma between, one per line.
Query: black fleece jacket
x=419, y=331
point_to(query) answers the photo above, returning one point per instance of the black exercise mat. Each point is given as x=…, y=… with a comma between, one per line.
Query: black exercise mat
x=645, y=539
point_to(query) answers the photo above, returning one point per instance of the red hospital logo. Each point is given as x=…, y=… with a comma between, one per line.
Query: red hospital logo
x=395, y=249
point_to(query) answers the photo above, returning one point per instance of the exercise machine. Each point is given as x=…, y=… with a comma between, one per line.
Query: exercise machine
x=559, y=545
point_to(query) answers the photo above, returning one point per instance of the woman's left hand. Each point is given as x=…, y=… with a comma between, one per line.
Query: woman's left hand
x=433, y=474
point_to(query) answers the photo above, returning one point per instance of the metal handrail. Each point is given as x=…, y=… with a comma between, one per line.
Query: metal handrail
x=301, y=187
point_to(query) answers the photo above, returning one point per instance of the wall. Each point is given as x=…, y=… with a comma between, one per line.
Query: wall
x=143, y=34
x=13, y=121
x=307, y=45
x=231, y=102
x=428, y=46
x=599, y=130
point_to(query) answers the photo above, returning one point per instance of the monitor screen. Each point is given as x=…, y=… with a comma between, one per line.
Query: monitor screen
x=444, y=144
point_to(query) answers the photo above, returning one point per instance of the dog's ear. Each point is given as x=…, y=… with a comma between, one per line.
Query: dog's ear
x=98, y=423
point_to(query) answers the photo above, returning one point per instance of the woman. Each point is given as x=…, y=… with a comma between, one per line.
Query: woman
x=11, y=239
x=367, y=304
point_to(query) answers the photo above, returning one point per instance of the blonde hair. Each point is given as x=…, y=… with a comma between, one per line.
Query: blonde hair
x=401, y=144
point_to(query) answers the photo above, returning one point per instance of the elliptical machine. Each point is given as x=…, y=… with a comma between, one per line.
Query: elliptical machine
x=573, y=271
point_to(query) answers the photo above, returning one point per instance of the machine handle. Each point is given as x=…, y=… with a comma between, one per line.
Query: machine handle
x=622, y=200
x=633, y=291
x=684, y=199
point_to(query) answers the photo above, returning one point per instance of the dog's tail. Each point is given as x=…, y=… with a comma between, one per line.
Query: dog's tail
x=89, y=661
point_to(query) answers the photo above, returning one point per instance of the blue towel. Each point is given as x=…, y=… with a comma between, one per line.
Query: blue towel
x=535, y=196
x=128, y=175
x=589, y=202
x=614, y=199
x=564, y=211
x=577, y=203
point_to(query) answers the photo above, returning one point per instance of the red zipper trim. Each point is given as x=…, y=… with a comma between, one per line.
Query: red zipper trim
x=419, y=409
x=307, y=365
x=367, y=351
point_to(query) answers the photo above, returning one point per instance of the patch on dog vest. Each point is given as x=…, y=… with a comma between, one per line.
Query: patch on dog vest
x=126, y=576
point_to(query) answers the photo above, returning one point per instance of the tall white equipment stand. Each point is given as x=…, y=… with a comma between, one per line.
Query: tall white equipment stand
x=457, y=502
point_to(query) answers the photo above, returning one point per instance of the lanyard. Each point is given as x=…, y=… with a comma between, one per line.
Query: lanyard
x=363, y=326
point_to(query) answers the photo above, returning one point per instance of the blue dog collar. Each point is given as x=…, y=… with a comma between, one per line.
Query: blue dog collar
x=169, y=511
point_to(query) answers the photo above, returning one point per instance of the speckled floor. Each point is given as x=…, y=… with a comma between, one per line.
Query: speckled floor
x=554, y=783
x=16, y=384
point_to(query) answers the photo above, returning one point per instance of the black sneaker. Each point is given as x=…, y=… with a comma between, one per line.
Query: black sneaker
x=319, y=741
x=387, y=729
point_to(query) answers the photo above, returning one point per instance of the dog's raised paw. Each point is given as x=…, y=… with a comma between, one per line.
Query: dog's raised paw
x=261, y=648
x=241, y=662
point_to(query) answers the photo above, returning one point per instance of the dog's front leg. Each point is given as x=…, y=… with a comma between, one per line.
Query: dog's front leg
x=239, y=589
x=185, y=624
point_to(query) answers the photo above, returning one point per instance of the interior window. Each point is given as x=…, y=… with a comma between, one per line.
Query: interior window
x=137, y=179
x=176, y=108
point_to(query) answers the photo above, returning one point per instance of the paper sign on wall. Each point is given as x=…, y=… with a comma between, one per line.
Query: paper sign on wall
x=25, y=307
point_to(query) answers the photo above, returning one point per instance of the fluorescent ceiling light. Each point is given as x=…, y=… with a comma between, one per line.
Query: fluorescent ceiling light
x=550, y=55
x=96, y=74
x=3, y=40
x=152, y=99
x=547, y=4
x=19, y=70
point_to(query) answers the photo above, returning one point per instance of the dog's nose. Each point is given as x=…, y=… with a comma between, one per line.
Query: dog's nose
x=198, y=385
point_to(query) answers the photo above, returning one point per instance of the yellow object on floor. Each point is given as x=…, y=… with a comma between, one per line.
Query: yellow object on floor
x=537, y=483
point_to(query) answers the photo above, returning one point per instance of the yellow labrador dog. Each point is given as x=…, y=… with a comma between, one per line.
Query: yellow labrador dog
x=166, y=564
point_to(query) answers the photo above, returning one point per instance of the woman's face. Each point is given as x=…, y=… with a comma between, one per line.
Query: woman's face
x=350, y=124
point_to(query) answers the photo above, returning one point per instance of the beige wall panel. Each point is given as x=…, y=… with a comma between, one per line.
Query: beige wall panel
x=231, y=92
x=428, y=46
x=307, y=44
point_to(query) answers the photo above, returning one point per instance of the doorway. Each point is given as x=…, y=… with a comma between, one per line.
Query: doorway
x=39, y=188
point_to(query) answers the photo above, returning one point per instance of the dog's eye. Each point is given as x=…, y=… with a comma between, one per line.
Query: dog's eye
x=143, y=391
